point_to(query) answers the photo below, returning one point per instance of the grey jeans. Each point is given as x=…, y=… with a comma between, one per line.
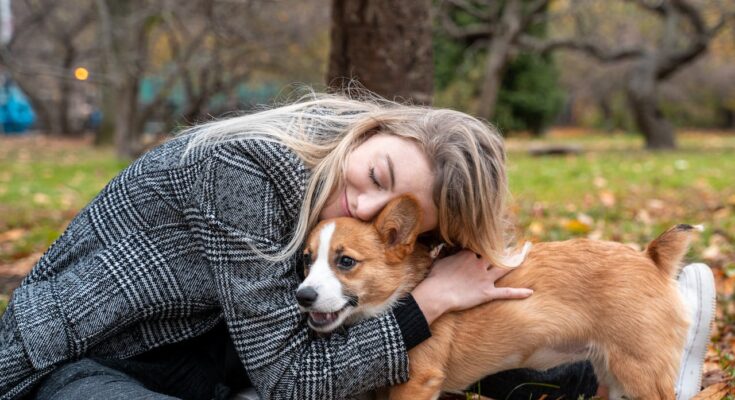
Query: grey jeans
x=205, y=367
x=87, y=379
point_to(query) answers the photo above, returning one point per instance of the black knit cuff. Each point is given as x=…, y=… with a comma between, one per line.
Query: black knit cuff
x=411, y=321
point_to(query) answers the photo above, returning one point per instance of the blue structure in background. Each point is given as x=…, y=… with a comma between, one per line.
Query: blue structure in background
x=16, y=113
x=246, y=96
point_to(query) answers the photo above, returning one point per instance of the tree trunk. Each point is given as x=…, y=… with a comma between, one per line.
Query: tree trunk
x=642, y=96
x=498, y=53
x=608, y=123
x=726, y=117
x=386, y=45
x=106, y=132
x=497, y=57
x=65, y=91
x=126, y=123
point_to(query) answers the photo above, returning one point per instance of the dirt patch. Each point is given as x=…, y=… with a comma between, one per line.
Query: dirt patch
x=8, y=283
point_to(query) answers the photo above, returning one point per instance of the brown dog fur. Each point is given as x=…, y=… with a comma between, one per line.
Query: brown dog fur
x=594, y=300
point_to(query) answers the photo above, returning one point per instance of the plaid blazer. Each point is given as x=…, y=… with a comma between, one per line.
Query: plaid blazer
x=166, y=251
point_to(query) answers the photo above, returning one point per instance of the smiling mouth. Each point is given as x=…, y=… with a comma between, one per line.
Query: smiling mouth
x=322, y=319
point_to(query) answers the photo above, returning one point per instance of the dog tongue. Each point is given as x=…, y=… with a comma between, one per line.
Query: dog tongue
x=319, y=317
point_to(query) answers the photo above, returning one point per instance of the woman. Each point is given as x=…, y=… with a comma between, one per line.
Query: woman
x=182, y=271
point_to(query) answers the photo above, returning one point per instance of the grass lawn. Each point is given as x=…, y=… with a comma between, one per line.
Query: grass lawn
x=611, y=190
x=43, y=184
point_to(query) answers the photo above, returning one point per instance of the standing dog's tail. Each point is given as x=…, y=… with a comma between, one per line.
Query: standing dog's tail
x=669, y=248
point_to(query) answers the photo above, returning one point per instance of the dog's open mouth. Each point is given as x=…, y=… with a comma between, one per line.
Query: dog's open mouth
x=325, y=320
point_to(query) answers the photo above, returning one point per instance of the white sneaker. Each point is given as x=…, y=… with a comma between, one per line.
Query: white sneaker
x=697, y=286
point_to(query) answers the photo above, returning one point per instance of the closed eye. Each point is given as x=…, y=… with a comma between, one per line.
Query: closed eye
x=375, y=179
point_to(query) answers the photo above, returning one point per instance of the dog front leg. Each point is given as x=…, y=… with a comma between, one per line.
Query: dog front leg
x=425, y=383
x=427, y=363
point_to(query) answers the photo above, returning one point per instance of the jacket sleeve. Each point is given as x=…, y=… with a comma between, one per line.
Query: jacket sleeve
x=236, y=212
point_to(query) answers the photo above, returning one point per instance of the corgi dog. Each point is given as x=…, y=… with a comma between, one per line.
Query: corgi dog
x=597, y=300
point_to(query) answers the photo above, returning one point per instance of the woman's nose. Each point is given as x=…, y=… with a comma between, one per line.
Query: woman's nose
x=369, y=205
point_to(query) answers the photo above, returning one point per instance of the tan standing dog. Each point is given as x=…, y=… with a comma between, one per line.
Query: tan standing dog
x=596, y=300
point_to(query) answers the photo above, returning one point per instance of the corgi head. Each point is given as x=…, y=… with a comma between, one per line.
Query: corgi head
x=355, y=270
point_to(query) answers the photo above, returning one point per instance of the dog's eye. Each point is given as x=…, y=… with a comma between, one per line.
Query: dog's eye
x=307, y=260
x=345, y=262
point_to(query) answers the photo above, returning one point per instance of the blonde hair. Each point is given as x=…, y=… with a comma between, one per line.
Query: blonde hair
x=470, y=184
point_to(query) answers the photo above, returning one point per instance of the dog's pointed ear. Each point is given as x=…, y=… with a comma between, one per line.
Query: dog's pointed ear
x=398, y=225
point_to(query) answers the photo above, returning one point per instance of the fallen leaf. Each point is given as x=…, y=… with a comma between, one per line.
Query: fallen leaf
x=717, y=391
x=576, y=226
x=607, y=198
x=13, y=234
x=712, y=252
x=41, y=198
x=713, y=377
x=536, y=228
x=585, y=219
x=655, y=204
x=599, y=181
x=721, y=214
x=644, y=217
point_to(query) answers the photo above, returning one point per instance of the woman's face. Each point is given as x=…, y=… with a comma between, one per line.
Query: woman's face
x=379, y=170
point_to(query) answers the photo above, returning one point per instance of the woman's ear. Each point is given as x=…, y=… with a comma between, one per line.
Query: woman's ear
x=398, y=225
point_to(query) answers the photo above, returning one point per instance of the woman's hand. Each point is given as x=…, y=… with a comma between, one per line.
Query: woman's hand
x=459, y=282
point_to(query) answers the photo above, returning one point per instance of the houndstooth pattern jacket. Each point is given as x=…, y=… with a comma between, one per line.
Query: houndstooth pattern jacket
x=164, y=252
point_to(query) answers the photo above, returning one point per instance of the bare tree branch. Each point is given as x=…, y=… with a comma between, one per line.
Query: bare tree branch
x=534, y=9
x=469, y=33
x=692, y=14
x=31, y=22
x=585, y=46
x=671, y=63
x=473, y=10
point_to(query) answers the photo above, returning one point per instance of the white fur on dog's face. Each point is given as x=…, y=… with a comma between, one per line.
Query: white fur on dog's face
x=356, y=270
x=331, y=307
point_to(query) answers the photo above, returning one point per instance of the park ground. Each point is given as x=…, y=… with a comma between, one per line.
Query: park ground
x=610, y=189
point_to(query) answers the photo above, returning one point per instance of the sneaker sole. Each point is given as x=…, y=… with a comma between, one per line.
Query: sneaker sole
x=698, y=336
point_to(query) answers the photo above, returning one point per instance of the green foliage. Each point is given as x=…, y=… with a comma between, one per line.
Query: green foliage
x=448, y=57
x=530, y=97
x=3, y=304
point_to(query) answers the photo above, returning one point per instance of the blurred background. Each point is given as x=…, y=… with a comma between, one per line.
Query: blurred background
x=619, y=115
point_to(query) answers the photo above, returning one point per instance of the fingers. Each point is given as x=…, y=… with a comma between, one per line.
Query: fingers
x=498, y=272
x=509, y=293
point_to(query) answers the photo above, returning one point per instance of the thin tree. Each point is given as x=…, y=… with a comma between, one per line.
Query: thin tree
x=498, y=26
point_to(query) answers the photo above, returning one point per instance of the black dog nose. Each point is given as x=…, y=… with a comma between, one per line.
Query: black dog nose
x=306, y=296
